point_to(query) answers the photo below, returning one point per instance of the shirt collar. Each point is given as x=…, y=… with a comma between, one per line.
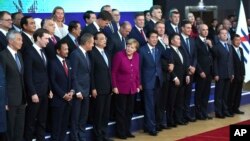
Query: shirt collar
x=150, y=47
x=184, y=36
x=3, y=31
x=97, y=26
x=99, y=49
x=72, y=37
x=28, y=35
x=202, y=38
x=138, y=28
x=60, y=58
x=12, y=51
x=82, y=49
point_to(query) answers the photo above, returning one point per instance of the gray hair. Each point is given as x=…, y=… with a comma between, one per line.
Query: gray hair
x=85, y=38
x=11, y=35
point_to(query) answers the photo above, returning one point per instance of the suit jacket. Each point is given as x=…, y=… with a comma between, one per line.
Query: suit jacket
x=71, y=44
x=126, y=73
x=3, y=41
x=80, y=72
x=223, y=62
x=192, y=55
x=204, y=57
x=150, y=68
x=3, y=101
x=239, y=66
x=27, y=43
x=14, y=79
x=60, y=82
x=149, y=26
x=107, y=30
x=180, y=69
x=89, y=29
x=35, y=73
x=50, y=49
x=101, y=72
x=136, y=34
x=114, y=44
x=169, y=29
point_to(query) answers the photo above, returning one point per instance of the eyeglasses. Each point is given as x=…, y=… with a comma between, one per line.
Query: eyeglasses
x=7, y=20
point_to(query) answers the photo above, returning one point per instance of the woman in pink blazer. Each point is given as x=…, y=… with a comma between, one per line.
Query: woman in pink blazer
x=125, y=82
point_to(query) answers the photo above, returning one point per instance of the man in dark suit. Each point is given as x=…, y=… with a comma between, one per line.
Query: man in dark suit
x=28, y=28
x=16, y=18
x=224, y=73
x=5, y=25
x=172, y=25
x=151, y=79
x=81, y=73
x=212, y=32
x=89, y=17
x=188, y=47
x=13, y=67
x=234, y=96
x=178, y=77
x=101, y=92
x=138, y=31
x=37, y=86
x=50, y=50
x=204, y=72
x=156, y=15
x=3, y=106
x=73, y=35
x=117, y=41
x=167, y=67
x=103, y=19
x=61, y=86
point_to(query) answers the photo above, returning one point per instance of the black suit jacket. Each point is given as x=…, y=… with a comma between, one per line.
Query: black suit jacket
x=89, y=29
x=71, y=44
x=136, y=34
x=60, y=82
x=169, y=29
x=50, y=49
x=239, y=66
x=204, y=57
x=80, y=72
x=14, y=79
x=114, y=44
x=35, y=73
x=101, y=73
x=27, y=43
x=3, y=41
x=149, y=26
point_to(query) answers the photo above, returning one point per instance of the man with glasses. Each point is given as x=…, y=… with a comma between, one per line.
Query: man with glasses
x=5, y=25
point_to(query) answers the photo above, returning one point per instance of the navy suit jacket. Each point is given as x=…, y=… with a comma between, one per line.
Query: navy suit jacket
x=150, y=68
x=81, y=72
x=107, y=30
x=136, y=34
x=192, y=55
x=149, y=26
x=169, y=29
x=114, y=44
x=89, y=29
x=72, y=46
x=60, y=82
x=50, y=48
x=239, y=65
x=223, y=62
x=35, y=73
x=3, y=41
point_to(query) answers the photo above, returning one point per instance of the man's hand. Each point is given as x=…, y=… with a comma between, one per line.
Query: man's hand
x=35, y=98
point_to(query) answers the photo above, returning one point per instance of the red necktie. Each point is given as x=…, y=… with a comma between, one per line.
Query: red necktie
x=53, y=39
x=65, y=67
x=143, y=35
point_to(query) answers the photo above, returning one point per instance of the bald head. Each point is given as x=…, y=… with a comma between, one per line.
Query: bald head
x=203, y=30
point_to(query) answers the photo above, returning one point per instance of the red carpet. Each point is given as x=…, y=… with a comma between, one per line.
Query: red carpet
x=220, y=134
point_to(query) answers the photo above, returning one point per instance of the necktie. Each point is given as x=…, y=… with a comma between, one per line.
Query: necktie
x=179, y=54
x=105, y=57
x=53, y=39
x=176, y=30
x=226, y=47
x=238, y=52
x=65, y=68
x=18, y=62
x=111, y=28
x=123, y=43
x=76, y=43
x=205, y=42
x=43, y=58
x=143, y=35
x=153, y=53
x=188, y=45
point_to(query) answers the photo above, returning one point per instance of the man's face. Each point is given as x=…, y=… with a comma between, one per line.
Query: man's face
x=50, y=26
x=175, y=19
x=157, y=14
x=63, y=51
x=77, y=30
x=187, y=29
x=44, y=40
x=125, y=30
x=160, y=28
x=30, y=26
x=140, y=21
x=203, y=30
x=236, y=41
x=101, y=40
x=16, y=43
x=153, y=39
x=6, y=22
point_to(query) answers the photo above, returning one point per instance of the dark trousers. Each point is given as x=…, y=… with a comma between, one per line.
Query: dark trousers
x=202, y=92
x=3, y=136
x=15, y=122
x=79, y=117
x=101, y=105
x=187, y=98
x=36, y=115
x=221, y=96
x=124, y=111
x=175, y=103
x=60, y=120
x=234, y=97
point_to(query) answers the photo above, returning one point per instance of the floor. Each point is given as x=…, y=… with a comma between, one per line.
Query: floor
x=192, y=128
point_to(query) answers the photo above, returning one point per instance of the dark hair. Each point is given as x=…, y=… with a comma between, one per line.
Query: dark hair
x=24, y=21
x=173, y=12
x=87, y=14
x=172, y=36
x=73, y=25
x=59, y=44
x=44, y=21
x=159, y=22
x=97, y=33
x=105, y=15
x=145, y=12
x=39, y=33
x=54, y=11
x=235, y=36
x=2, y=14
x=85, y=38
x=13, y=15
x=185, y=22
x=104, y=6
x=148, y=34
x=139, y=14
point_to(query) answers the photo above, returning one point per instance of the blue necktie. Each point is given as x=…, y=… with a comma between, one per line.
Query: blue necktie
x=153, y=53
x=226, y=47
x=188, y=45
x=43, y=58
x=105, y=57
x=87, y=59
x=18, y=62
x=176, y=30
x=238, y=52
